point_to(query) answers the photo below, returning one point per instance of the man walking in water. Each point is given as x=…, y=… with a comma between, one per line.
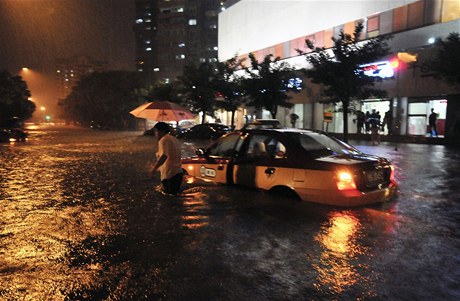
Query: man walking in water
x=432, y=123
x=169, y=159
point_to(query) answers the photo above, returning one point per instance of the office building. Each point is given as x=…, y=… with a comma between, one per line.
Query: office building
x=281, y=28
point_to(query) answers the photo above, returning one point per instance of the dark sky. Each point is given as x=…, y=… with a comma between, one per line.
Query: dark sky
x=33, y=33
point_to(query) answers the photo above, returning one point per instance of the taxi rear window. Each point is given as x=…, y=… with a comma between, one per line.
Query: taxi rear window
x=321, y=145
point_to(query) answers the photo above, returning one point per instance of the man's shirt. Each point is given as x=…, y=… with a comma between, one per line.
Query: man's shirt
x=169, y=146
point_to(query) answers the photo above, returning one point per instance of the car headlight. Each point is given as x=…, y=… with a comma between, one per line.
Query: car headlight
x=345, y=180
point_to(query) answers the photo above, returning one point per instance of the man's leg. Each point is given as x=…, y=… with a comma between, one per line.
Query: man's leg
x=176, y=183
x=172, y=185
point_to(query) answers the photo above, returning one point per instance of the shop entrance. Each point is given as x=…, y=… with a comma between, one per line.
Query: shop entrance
x=418, y=113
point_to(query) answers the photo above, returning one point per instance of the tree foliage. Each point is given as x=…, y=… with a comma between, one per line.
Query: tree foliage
x=159, y=90
x=228, y=86
x=196, y=86
x=447, y=60
x=337, y=69
x=267, y=85
x=104, y=99
x=15, y=105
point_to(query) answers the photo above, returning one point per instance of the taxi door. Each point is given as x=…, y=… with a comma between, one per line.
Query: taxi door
x=257, y=164
x=217, y=165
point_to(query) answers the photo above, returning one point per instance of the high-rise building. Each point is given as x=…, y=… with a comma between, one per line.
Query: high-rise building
x=70, y=70
x=170, y=33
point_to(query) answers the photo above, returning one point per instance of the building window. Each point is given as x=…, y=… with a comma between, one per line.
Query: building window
x=181, y=45
x=192, y=22
x=139, y=21
x=148, y=49
x=180, y=56
x=372, y=23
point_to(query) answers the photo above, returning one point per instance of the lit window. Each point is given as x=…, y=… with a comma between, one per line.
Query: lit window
x=180, y=56
x=148, y=20
x=167, y=81
x=181, y=45
x=148, y=41
x=212, y=60
x=202, y=60
x=192, y=22
x=180, y=10
x=139, y=21
x=140, y=70
x=148, y=49
x=156, y=69
x=215, y=48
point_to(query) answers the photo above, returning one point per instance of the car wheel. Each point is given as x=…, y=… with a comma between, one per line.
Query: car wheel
x=284, y=192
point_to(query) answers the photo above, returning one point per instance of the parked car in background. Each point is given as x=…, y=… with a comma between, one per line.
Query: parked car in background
x=309, y=165
x=205, y=131
x=12, y=135
x=175, y=128
x=262, y=124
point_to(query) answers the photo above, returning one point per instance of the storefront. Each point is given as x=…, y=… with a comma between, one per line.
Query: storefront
x=418, y=116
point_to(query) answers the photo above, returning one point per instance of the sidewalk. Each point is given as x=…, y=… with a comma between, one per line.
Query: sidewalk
x=404, y=139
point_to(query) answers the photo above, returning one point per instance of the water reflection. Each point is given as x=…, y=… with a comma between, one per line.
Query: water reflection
x=338, y=267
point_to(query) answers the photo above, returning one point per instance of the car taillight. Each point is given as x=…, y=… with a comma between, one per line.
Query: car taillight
x=345, y=180
x=392, y=173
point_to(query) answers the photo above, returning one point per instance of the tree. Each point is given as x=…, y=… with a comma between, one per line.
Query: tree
x=447, y=60
x=268, y=83
x=196, y=84
x=104, y=99
x=337, y=69
x=228, y=86
x=159, y=90
x=15, y=105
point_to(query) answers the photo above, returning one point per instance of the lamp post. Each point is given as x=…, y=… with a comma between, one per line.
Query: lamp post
x=43, y=109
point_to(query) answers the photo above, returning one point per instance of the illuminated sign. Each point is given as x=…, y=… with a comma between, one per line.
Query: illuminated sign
x=384, y=69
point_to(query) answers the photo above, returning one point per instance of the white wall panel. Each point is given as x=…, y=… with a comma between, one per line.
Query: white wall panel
x=250, y=25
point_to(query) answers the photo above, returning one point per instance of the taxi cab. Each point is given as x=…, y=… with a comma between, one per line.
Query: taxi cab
x=311, y=165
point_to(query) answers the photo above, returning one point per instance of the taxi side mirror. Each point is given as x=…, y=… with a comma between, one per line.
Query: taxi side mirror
x=280, y=154
x=200, y=152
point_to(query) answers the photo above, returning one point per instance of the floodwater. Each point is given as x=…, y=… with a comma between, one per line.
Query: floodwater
x=80, y=219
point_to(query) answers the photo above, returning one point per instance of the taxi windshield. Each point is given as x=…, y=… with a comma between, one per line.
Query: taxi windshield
x=319, y=144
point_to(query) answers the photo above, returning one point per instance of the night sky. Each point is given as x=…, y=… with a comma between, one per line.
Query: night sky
x=33, y=33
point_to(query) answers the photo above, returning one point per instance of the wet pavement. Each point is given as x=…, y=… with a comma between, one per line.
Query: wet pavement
x=81, y=220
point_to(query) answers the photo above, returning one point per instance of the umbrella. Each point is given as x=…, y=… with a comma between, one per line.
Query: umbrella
x=162, y=111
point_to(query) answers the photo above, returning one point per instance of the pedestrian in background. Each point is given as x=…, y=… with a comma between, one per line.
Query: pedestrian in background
x=168, y=159
x=360, y=121
x=374, y=122
x=367, y=123
x=388, y=121
x=432, y=123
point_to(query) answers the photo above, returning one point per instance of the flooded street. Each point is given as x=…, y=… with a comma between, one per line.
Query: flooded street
x=80, y=219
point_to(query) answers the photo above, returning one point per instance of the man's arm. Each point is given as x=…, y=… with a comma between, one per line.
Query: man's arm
x=160, y=162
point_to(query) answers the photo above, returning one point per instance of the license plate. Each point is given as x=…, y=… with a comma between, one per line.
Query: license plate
x=374, y=177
